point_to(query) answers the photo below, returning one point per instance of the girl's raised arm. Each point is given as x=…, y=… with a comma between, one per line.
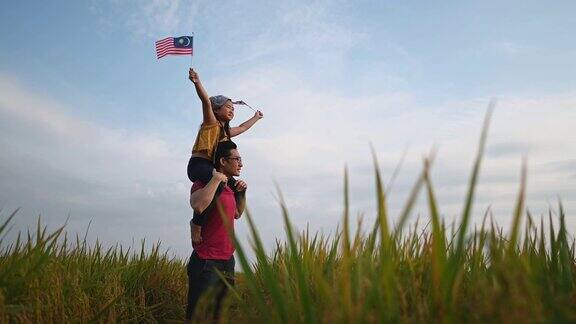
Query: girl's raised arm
x=207, y=113
x=235, y=131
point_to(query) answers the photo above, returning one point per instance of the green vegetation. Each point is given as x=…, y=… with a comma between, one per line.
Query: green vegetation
x=44, y=278
x=438, y=274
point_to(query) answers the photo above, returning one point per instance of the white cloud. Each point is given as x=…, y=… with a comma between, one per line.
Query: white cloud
x=54, y=163
x=309, y=134
x=132, y=183
x=156, y=17
x=147, y=19
x=508, y=48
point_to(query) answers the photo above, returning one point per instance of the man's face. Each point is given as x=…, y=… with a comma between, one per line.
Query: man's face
x=232, y=165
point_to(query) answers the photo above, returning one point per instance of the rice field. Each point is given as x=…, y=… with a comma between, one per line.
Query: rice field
x=384, y=273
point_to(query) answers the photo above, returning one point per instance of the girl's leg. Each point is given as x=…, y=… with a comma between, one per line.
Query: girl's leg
x=201, y=218
x=200, y=169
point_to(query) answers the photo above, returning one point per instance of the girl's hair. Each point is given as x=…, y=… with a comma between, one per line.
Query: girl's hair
x=217, y=103
x=226, y=124
x=227, y=129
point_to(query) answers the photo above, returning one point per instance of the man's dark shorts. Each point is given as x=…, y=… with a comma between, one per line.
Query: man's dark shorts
x=202, y=277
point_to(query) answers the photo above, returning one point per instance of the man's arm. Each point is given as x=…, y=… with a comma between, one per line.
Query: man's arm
x=240, y=198
x=207, y=113
x=201, y=198
x=192, y=233
x=235, y=131
x=240, y=205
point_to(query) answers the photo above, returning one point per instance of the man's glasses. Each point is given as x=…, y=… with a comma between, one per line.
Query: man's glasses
x=235, y=158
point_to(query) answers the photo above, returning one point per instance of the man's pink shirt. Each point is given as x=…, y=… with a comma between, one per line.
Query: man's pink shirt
x=216, y=243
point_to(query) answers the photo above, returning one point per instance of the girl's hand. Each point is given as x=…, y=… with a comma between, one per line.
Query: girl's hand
x=221, y=177
x=193, y=76
x=258, y=114
x=241, y=185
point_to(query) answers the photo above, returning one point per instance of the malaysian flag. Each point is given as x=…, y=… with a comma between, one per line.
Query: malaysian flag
x=174, y=45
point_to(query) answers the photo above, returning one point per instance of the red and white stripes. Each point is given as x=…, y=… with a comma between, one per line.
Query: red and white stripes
x=166, y=46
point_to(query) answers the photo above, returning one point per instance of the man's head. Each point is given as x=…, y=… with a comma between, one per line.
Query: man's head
x=228, y=159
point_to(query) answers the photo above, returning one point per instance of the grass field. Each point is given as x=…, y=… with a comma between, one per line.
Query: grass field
x=386, y=273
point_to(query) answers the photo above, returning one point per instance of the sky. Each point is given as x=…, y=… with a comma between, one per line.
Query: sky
x=95, y=132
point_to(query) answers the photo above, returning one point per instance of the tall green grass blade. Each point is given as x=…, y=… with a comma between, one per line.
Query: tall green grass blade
x=382, y=219
x=268, y=276
x=303, y=285
x=438, y=239
x=566, y=262
x=8, y=220
x=411, y=201
x=455, y=268
x=250, y=276
x=518, y=210
x=346, y=221
x=346, y=257
x=467, y=212
x=395, y=173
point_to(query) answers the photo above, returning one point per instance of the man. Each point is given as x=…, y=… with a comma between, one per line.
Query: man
x=216, y=250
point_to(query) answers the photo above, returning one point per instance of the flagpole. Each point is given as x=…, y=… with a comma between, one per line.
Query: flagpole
x=254, y=110
x=192, y=52
x=241, y=102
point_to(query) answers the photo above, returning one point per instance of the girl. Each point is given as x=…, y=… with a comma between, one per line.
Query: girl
x=217, y=113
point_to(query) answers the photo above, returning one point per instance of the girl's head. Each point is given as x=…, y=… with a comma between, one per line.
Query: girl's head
x=222, y=107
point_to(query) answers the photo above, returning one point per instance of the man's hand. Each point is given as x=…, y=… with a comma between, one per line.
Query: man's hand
x=241, y=185
x=258, y=114
x=193, y=76
x=196, y=231
x=219, y=176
